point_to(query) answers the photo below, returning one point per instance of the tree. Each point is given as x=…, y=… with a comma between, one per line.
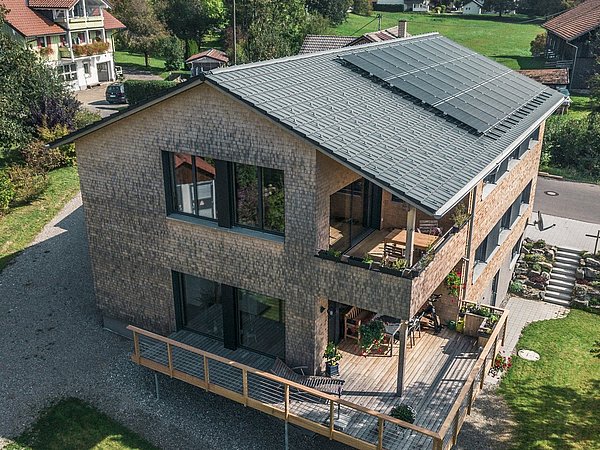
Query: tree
x=542, y=7
x=362, y=7
x=191, y=20
x=500, y=6
x=538, y=45
x=31, y=96
x=172, y=52
x=335, y=10
x=144, y=32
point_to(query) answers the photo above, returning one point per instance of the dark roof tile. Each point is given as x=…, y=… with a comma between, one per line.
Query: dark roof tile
x=576, y=21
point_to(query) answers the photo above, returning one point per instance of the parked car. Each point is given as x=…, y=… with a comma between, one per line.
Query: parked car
x=115, y=93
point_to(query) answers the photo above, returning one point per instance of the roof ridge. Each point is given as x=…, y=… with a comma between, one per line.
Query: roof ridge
x=270, y=62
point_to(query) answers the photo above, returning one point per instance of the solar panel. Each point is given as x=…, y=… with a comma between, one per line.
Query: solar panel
x=461, y=84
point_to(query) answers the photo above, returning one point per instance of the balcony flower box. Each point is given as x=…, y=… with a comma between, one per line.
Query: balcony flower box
x=95, y=48
x=46, y=51
x=330, y=255
x=64, y=52
x=359, y=262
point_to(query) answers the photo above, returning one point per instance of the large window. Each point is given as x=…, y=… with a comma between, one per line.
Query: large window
x=238, y=317
x=259, y=198
x=194, y=178
x=261, y=323
x=200, y=309
x=67, y=72
x=229, y=193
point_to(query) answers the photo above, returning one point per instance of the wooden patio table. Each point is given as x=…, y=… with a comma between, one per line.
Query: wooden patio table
x=421, y=241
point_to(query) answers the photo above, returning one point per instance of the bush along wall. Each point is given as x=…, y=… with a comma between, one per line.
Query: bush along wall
x=586, y=293
x=138, y=91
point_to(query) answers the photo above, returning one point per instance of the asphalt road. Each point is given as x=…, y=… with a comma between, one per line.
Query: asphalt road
x=577, y=201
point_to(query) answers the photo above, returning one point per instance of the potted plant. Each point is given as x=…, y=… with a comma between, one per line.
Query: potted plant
x=474, y=317
x=404, y=412
x=394, y=268
x=331, y=255
x=371, y=336
x=460, y=216
x=332, y=357
x=452, y=282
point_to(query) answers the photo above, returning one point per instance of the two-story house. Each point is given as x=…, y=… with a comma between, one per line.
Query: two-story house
x=217, y=224
x=569, y=42
x=75, y=36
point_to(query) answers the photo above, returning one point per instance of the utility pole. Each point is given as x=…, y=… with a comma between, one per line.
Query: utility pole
x=234, y=36
x=378, y=22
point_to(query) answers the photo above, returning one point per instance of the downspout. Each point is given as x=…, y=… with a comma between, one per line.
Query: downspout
x=574, y=63
x=470, y=240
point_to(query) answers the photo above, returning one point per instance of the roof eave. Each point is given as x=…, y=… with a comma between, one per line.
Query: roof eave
x=469, y=186
x=78, y=134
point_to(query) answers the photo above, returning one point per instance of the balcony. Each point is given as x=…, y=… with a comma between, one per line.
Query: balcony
x=443, y=374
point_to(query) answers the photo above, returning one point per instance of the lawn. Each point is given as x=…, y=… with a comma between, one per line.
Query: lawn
x=23, y=223
x=556, y=400
x=72, y=424
x=505, y=40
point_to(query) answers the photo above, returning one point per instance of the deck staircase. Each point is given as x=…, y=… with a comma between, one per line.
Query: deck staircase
x=562, y=279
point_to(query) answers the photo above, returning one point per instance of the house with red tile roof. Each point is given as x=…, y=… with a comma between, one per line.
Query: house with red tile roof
x=206, y=60
x=567, y=44
x=74, y=36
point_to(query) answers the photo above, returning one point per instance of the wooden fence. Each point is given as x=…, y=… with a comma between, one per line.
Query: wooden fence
x=303, y=406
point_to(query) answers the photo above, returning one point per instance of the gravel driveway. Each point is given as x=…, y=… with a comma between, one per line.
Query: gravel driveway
x=53, y=345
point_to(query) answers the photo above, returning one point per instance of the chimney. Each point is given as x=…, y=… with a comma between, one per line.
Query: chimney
x=402, y=28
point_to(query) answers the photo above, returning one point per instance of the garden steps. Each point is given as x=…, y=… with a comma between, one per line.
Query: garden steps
x=562, y=278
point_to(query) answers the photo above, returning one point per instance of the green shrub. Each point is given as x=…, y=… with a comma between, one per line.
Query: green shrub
x=138, y=91
x=28, y=183
x=41, y=158
x=516, y=287
x=84, y=117
x=7, y=192
x=536, y=267
x=540, y=243
x=404, y=412
x=534, y=258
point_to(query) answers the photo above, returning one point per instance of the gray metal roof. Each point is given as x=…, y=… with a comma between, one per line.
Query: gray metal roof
x=408, y=147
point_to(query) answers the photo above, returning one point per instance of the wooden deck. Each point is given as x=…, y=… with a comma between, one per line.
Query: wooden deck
x=435, y=372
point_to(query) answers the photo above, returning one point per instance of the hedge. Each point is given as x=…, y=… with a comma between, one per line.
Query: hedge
x=388, y=8
x=138, y=91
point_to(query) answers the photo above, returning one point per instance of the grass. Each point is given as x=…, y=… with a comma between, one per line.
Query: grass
x=72, y=424
x=23, y=223
x=580, y=107
x=556, y=400
x=505, y=39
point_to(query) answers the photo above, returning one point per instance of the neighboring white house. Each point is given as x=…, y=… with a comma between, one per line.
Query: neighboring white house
x=474, y=7
x=409, y=5
x=75, y=36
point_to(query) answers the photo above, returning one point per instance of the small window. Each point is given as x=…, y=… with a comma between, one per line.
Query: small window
x=526, y=195
x=86, y=68
x=396, y=199
x=41, y=42
x=506, y=220
x=194, y=183
x=491, y=178
x=480, y=253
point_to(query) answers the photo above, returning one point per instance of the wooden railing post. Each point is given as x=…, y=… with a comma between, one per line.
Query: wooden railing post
x=136, y=346
x=456, y=429
x=483, y=371
x=504, y=333
x=438, y=443
x=471, y=398
x=170, y=359
x=379, y=433
x=206, y=375
x=245, y=386
x=331, y=418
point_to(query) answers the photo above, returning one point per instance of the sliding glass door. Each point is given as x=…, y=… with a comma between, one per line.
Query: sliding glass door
x=351, y=214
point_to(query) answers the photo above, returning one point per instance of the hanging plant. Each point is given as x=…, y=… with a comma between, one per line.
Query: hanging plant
x=453, y=283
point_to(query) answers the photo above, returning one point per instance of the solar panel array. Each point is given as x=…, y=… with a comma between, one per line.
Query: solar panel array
x=452, y=79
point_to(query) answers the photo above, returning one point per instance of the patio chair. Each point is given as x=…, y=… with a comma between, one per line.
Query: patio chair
x=323, y=384
x=429, y=227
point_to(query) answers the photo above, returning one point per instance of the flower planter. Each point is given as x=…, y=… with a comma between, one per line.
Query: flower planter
x=472, y=324
x=323, y=254
x=332, y=370
x=391, y=271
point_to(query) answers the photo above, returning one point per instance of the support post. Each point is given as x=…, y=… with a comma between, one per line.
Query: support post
x=331, y=419
x=411, y=220
x=136, y=346
x=401, y=357
x=170, y=359
x=206, y=376
x=245, y=386
x=286, y=439
x=156, y=385
x=379, y=433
